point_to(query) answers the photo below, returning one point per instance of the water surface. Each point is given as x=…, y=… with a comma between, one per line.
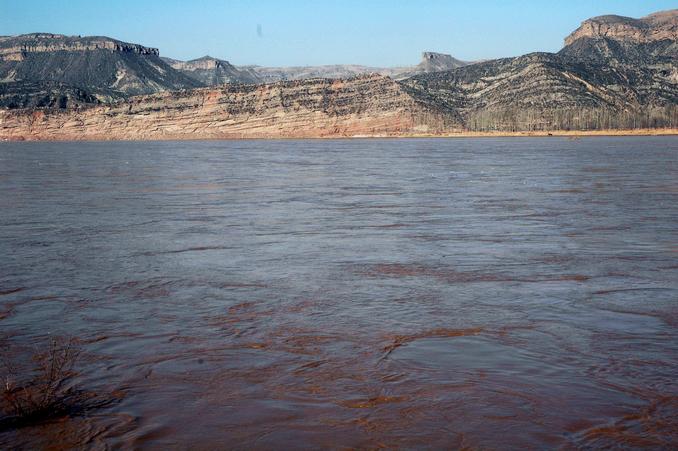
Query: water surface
x=488, y=293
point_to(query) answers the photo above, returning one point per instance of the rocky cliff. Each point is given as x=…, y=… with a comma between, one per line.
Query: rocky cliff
x=368, y=105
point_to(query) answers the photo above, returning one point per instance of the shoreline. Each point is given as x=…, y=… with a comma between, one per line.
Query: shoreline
x=571, y=134
x=547, y=134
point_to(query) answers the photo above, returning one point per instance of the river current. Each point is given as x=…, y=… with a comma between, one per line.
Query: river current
x=400, y=293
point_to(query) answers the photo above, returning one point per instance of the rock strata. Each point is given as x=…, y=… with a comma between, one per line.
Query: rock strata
x=362, y=106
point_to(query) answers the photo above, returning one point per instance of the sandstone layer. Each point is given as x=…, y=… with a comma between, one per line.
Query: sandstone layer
x=370, y=105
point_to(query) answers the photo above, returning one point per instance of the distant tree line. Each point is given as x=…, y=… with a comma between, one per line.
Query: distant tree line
x=572, y=119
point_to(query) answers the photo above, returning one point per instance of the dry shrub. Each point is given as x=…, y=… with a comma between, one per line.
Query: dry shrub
x=42, y=388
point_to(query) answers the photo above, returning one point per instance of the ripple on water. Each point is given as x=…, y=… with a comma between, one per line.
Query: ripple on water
x=488, y=388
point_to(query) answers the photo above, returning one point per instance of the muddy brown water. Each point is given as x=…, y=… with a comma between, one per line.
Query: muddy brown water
x=488, y=293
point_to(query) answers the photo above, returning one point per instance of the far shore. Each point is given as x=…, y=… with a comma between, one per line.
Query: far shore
x=571, y=134
x=541, y=134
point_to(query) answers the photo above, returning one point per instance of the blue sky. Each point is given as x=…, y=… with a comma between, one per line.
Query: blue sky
x=304, y=32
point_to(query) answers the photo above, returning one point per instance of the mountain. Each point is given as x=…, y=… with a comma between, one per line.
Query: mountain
x=43, y=69
x=210, y=71
x=614, y=72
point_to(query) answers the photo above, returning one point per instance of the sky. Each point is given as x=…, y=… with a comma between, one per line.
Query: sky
x=304, y=32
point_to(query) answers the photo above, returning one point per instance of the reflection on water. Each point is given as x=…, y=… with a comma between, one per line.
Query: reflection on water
x=363, y=293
